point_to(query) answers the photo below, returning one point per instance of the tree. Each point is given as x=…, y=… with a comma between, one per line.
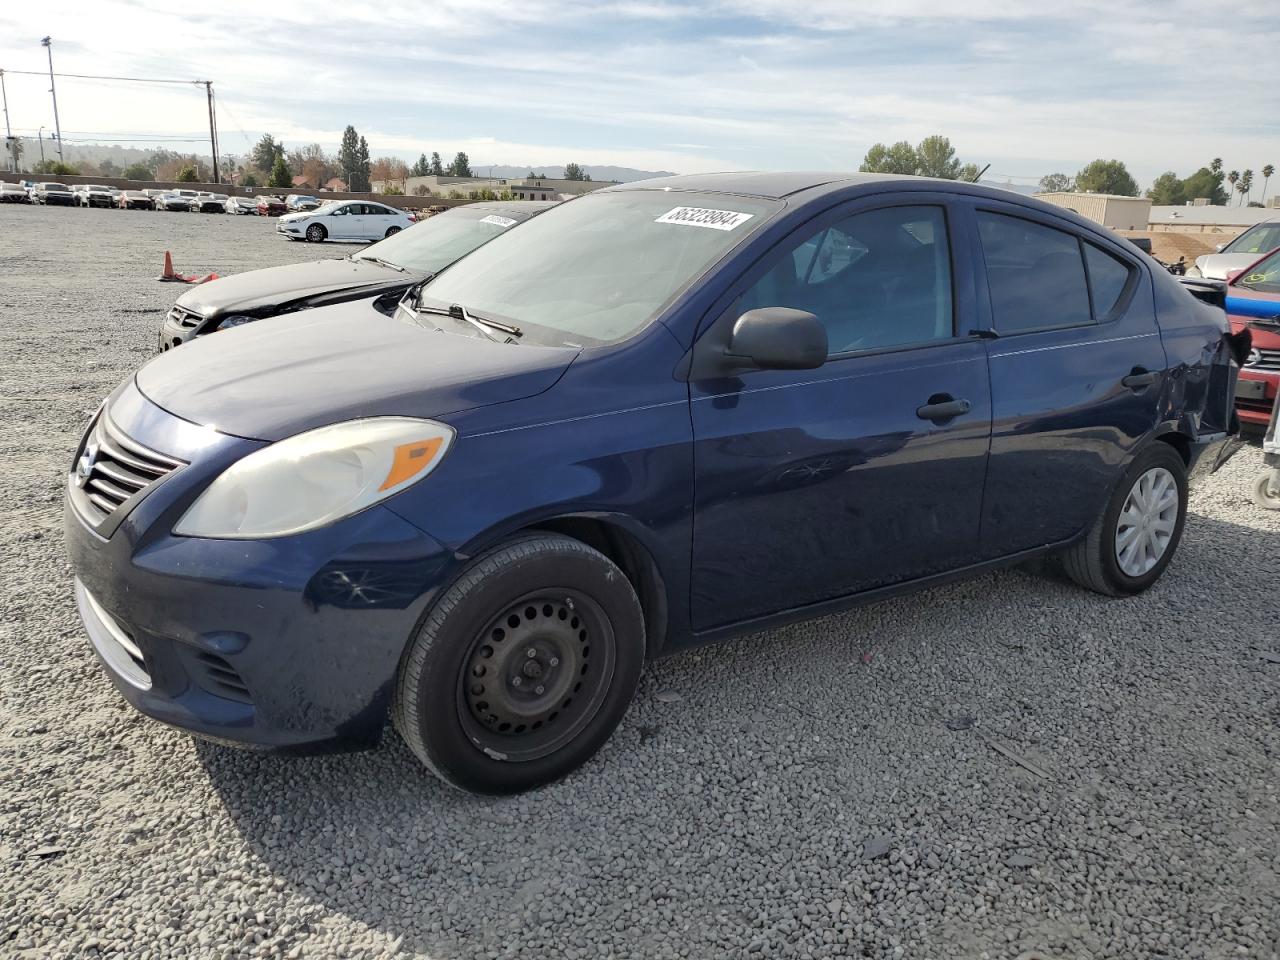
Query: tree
x=187, y=175
x=1232, y=177
x=353, y=161
x=248, y=180
x=1205, y=183
x=437, y=168
x=461, y=166
x=421, y=166
x=574, y=172
x=136, y=171
x=1166, y=190
x=280, y=175
x=935, y=157
x=1267, y=171
x=1055, y=183
x=1215, y=165
x=265, y=152
x=108, y=168
x=56, y=168
x=1245, y=185
x=899, y=158
x=1107, y=176
x=388, y=169
x=359, y=182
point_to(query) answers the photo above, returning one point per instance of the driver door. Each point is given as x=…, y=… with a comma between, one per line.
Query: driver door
x=816, y=484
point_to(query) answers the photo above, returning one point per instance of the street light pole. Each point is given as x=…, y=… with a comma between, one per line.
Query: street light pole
x=47, y=43
x=40, y=137
x=8, y=133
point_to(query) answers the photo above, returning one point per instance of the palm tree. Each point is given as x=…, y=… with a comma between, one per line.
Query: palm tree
x=1245, y=185
x=1232, y=177
x=1267, y=171
x=1215, y=165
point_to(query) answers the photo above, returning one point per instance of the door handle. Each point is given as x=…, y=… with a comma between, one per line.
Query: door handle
x=943, y=406
x=1140, y=379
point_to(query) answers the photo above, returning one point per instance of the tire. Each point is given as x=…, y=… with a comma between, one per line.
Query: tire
x=1098, y=563
x=316, y=233
x=1265, y=492
x=391, y=232
x=463, y=699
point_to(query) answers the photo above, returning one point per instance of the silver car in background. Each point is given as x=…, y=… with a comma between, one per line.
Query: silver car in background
x=1244, y=250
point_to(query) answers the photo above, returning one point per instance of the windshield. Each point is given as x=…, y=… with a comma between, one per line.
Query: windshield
x=1263, y=276
x=599, y=268
x=1259, y=239
x=54, y=186
x=430, y=246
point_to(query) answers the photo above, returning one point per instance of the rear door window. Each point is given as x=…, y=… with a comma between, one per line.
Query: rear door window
x=1108, y=278
x=1035, y=275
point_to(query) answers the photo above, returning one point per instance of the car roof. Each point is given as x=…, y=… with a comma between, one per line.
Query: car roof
x=521, y=208
x=753, y=183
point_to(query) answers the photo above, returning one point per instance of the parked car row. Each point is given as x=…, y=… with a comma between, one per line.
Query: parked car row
x=185, y=200
x=478, y=499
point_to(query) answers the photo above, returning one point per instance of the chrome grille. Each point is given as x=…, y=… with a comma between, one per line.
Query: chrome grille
x=1260, y=359
x=113, y=469
x=185, y=318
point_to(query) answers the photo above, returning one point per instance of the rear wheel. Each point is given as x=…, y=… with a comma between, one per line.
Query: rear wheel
x=316, y=233
x=523, y=667
x=1130, y=545
x=391, y=232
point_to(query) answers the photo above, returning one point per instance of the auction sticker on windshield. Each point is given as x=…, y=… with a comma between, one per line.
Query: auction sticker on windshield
x=704, y=217
x=498, y=221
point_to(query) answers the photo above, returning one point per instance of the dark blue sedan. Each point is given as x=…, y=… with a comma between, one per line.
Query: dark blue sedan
x=657, y=415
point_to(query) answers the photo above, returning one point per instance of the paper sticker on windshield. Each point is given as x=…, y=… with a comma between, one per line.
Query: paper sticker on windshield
x=498, y=221
x=703, y=217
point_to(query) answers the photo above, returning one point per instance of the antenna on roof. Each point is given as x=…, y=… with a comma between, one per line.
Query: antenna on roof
x=978, y=176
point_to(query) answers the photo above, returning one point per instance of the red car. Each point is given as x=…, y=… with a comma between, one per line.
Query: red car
x=271, y=207
x=1253, y=299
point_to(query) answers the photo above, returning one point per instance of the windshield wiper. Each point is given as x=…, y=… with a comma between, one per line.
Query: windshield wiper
x=383, y=263
x=458, y=312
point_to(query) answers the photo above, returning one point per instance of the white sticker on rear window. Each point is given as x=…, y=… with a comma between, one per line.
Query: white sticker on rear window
x=498, y=221
x=703, y=217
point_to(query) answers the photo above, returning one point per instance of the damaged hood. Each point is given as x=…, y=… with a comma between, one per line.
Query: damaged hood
x=269, y=381
x=1216, y=266
x=275, y=287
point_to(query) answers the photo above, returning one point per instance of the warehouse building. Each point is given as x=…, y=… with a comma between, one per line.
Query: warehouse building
x=1109, y=209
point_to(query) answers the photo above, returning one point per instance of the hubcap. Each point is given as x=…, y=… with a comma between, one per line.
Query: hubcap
x=1147, y=521
x=536, y=675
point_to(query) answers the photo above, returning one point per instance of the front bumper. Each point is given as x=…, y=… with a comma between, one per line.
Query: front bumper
x=290, y=229
x=288, y=644
x=102, y=201
x=1256, y=396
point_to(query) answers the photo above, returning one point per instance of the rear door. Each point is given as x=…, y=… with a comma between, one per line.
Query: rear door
x=1077, y=366
x=815, y=484
x=377, y=220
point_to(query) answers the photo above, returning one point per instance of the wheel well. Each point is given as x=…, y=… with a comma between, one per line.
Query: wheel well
x=635, y=561
x=1179, y=442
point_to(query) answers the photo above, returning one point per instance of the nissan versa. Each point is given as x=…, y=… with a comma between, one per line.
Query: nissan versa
x=388, y=266
x=659, y=414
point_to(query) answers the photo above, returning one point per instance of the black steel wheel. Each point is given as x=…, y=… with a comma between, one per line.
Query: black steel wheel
x=523, y=667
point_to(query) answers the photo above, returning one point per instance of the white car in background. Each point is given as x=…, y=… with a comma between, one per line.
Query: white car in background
x=241, y=205
x=358, y=220
x=1243, y=251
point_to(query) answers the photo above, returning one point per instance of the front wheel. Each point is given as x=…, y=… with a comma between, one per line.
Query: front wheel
x=523, y=667
x=1131, y=544
x=1266, y=490
x=316, y=233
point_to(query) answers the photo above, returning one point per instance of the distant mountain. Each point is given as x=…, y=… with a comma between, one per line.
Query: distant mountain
x=621, y=174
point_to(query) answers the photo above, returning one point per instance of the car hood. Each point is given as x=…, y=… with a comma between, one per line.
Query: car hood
x=1216, y=266
x=275, y=286
x=267, y=381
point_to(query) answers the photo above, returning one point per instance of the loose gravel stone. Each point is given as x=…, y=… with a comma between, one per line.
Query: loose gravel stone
x=729, y=822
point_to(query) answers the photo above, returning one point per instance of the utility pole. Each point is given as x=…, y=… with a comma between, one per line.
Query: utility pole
x=40, y=137
x=8, y=133
x=213, y=130
x=47, y=43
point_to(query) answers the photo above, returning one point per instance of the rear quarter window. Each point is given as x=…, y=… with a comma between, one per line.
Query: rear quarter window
x=1108, y=278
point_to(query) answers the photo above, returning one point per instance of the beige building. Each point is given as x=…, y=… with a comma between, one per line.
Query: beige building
x=1108, y=209
x=521, y=188
x=1206, y=218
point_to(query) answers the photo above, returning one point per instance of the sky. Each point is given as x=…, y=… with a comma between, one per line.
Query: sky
x=1030, y=88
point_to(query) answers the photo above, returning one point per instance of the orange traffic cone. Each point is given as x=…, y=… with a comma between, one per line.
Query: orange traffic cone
x=169, y=273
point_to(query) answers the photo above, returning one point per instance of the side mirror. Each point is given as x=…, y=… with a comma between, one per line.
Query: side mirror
x=779, y=338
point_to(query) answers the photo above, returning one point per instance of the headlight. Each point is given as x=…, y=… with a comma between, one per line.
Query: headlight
x=234, y=320
x=317, y=477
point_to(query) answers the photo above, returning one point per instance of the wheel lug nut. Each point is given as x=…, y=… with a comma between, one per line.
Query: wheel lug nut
x=539, y=689
x=554, y=661
x=515, y=681
x=531, y=653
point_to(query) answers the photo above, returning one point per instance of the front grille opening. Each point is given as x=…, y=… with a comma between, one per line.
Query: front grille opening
x=185, y=318
x=112, y=469
x=221, y=679
x=1266, y=360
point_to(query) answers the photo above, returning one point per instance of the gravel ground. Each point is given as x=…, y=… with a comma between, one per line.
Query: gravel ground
x=1003, y=768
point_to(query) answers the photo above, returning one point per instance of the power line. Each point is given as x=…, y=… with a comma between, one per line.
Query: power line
x=91, y=76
